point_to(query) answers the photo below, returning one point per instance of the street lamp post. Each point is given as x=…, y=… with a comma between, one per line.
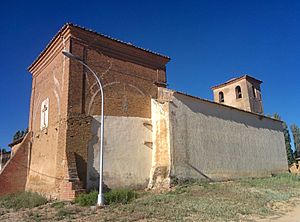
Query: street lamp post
x=100, y=201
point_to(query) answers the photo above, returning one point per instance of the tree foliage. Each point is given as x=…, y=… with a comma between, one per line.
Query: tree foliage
x=3, y=150
x=287, y=138
x=296, y=136
x=19, y=134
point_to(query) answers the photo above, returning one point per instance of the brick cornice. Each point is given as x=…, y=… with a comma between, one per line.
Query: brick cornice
x=51, y=51
x=109, y=46
x=117, y=49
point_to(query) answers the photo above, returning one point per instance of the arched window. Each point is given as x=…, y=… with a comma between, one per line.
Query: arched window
x=221, y=97
x=238, y=92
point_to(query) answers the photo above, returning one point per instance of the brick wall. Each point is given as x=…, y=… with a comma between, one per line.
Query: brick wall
x=128, y=85
x=13, y=176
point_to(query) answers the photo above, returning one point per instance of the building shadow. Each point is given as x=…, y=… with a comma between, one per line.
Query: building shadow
x=200, y=172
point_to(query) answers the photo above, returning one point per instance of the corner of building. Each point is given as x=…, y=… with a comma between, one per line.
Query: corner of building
x=161, y=154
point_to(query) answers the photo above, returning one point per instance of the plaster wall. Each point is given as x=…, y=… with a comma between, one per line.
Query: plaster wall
x=127, y=153
x=216, y=142
x=160, y=170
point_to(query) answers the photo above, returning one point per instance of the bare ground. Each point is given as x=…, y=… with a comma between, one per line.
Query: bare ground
x=292, y=216
x=283, y=212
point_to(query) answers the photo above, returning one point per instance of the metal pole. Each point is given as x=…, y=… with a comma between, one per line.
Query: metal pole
x=100, y=201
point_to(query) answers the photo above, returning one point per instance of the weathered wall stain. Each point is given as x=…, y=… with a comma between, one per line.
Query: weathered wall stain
x=127, y=160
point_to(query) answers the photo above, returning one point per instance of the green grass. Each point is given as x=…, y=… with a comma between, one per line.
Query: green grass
x=87, y=199
x=198, y=201
x=122, y=196
x=279, y=182
x=22, y=200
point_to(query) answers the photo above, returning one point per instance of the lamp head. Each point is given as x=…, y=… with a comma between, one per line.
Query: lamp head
x=71, y=56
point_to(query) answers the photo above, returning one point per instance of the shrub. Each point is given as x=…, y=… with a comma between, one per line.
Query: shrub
x=22, y=200
x=87, y=199
x=114, y=196
x=119, y=196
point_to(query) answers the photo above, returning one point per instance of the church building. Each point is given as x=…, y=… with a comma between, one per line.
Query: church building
x=153, y=135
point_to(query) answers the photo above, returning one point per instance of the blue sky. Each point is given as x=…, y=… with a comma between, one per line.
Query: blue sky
x=208, y=41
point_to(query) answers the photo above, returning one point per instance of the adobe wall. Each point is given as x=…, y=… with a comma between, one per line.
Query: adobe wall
x=216, y=142
x=127, y=152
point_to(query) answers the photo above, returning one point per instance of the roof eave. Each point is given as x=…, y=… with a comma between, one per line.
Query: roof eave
x=227, y=106
x=48, y=47
x=234, y=80
x=67, y=26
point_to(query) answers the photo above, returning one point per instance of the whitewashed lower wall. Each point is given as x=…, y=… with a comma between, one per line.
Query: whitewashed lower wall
x=127, y=160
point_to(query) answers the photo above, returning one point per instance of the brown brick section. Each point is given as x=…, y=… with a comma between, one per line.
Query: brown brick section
x=78, y=136
x=128, y=87
x=70, y=189
x=13, y=176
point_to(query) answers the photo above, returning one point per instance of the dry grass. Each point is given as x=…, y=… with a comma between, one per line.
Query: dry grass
x=228, y=201
x=22, y=200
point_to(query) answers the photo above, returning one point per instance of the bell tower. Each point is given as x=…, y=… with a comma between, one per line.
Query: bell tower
x=242, y=92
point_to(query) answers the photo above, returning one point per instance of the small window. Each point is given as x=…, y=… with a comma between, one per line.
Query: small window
x=238, y=92
x=253, y=91
x=221, y=97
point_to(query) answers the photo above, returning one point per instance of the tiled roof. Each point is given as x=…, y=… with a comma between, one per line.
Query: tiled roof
x=236, y=79
x=118, y=40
